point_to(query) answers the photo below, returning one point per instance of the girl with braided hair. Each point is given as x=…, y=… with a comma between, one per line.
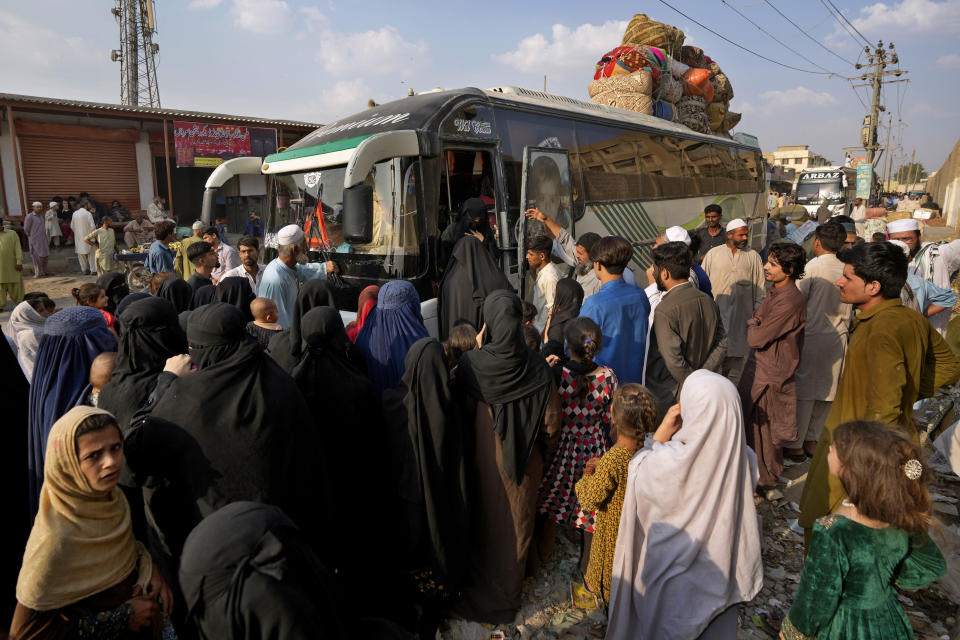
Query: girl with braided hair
x=586, y=390
x=604, y=483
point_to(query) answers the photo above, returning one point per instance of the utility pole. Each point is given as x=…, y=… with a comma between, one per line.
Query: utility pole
x=889, y=149
x=875, y=78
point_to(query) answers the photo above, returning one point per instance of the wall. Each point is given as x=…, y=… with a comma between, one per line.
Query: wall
x=945, y=187
x=145, y=170
x=12, y=205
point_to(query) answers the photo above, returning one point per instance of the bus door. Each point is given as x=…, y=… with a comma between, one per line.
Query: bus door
x=546, y=185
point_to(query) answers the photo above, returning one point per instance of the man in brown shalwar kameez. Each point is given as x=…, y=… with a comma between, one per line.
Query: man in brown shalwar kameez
x=767, y=387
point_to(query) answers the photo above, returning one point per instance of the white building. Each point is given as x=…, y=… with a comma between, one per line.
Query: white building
x=797, y=157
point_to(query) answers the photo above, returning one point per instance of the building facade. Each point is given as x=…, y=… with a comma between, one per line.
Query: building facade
x=797, y=157
x=50, y=147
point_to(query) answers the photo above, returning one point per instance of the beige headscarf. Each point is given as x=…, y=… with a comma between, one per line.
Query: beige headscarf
x=82, y=540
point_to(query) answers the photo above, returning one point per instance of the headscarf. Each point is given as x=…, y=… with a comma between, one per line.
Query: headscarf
x=178, y=292
x=365, y=304
x=391, y=329
x=688, y=546
x=115, y=285
x=149, y=334
x=248, y=572
x=287, y=346
x=566, y=307
x=426, y=438
x=238, y=292
x=16, y=507
x=471, y=276
x=25, y=328
x=513, y=380
x=246, y=419
x=203, y=296
x=129, y=300
x=82, y=540
x=72, y=338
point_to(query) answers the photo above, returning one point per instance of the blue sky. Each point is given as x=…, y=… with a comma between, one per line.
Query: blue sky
x=318, y=60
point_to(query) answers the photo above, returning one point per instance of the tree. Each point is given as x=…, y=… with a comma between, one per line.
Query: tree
x=910, y=172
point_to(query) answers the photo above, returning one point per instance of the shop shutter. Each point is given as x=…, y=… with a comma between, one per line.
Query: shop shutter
x=107, y=170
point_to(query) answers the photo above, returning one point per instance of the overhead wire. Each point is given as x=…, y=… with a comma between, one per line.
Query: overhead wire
x=770, y=35
x=800, y=29
x=740, y=46
x=841, y=23
x=844, y=18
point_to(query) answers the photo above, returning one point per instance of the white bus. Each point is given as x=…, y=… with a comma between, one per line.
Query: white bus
x=835, y=186
x=386, y=180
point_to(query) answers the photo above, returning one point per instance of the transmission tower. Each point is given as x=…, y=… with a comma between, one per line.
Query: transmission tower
x=137, y=52
x=876, y=77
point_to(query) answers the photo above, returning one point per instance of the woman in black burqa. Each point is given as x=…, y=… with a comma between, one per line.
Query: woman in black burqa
x=237, y=428
x=178, y=292
x=474, y=219
x=517, y=416
x=287, y=346
x=149, y=334
x=237, y=292
x=471, y=275
x=427, y=450
x=566, y=307
x=16, y=509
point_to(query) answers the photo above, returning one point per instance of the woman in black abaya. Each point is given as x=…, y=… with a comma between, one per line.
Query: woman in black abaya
x=471, y=275
x=287, y=347
x=149, y=334
x=237, y=292
x=517, y=414
x=178, y=292
x=427, y=448
x=566, y=307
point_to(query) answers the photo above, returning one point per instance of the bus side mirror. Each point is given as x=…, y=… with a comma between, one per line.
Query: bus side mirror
x=358, y=214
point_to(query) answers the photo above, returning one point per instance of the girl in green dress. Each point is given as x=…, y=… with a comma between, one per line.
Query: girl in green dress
x=875, y=543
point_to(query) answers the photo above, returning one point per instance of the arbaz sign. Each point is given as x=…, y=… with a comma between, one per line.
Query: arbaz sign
x=820, y=176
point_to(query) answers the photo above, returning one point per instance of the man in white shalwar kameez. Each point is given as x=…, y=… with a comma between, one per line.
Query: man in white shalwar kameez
x=83, y=225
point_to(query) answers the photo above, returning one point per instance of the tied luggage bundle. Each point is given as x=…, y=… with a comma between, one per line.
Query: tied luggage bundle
x=722, y=89
x=693, y=57
x=670, y=88
x=696, y=82
x=692, y=113
x=632, y=92
x=627, y=60
x=665, y=110
x=722, y=120
x=643, y=31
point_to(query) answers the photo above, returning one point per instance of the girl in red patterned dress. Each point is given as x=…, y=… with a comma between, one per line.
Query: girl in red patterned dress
x=586, y=389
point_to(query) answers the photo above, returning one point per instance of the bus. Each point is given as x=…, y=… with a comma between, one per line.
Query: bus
x=377, y=188
x=835, y=186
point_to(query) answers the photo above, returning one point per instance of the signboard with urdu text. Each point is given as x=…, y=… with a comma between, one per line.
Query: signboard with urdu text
x=864, y=180
x=209, y=145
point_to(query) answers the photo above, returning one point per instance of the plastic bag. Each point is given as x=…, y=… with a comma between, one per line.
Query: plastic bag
x=665, y=110
x=696, y=82
x=670, y=88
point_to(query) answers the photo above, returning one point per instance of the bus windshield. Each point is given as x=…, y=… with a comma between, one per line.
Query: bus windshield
x=819, y=192
x=314, y=201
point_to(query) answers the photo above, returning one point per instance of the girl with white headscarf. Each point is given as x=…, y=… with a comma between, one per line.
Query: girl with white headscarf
x=688, y=548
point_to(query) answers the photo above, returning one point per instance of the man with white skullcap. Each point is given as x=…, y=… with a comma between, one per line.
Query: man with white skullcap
x=34, y=227
x=933, y=261
x=736, y=274
x=51, y=222
x=282, y=277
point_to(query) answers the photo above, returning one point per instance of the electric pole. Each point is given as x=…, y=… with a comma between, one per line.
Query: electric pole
x=888, y=147
x=876, y=77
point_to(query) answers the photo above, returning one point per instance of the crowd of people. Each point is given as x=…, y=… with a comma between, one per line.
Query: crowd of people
x=220, y=456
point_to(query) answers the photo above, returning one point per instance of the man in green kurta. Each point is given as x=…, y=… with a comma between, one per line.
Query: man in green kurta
x=11, y=267
x=894, y=358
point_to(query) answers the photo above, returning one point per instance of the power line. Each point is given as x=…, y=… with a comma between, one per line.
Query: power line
x=767, y=33
x=820, y=44
x=740, y=46
x=867, y=42
x=843, y=26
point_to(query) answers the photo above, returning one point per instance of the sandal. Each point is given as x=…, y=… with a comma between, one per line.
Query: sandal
x=598, y=630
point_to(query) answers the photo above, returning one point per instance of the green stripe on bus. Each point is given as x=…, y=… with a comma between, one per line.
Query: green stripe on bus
x=317, y=149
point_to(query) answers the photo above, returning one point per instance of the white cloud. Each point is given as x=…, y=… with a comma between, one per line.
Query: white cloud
x=260, y=16
x=342, y=99
x=378, y=51
x=798, y=97
x=314, y=19
x=567, y=49
x=951, y=61
x=203, y=4
x=908, y=17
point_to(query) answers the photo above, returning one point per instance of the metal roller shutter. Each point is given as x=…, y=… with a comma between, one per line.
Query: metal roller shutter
x=66, y=166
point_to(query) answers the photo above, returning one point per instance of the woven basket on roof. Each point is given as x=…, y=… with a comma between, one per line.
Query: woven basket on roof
x=642, y=31
x=631, y=101
x=636, y=82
